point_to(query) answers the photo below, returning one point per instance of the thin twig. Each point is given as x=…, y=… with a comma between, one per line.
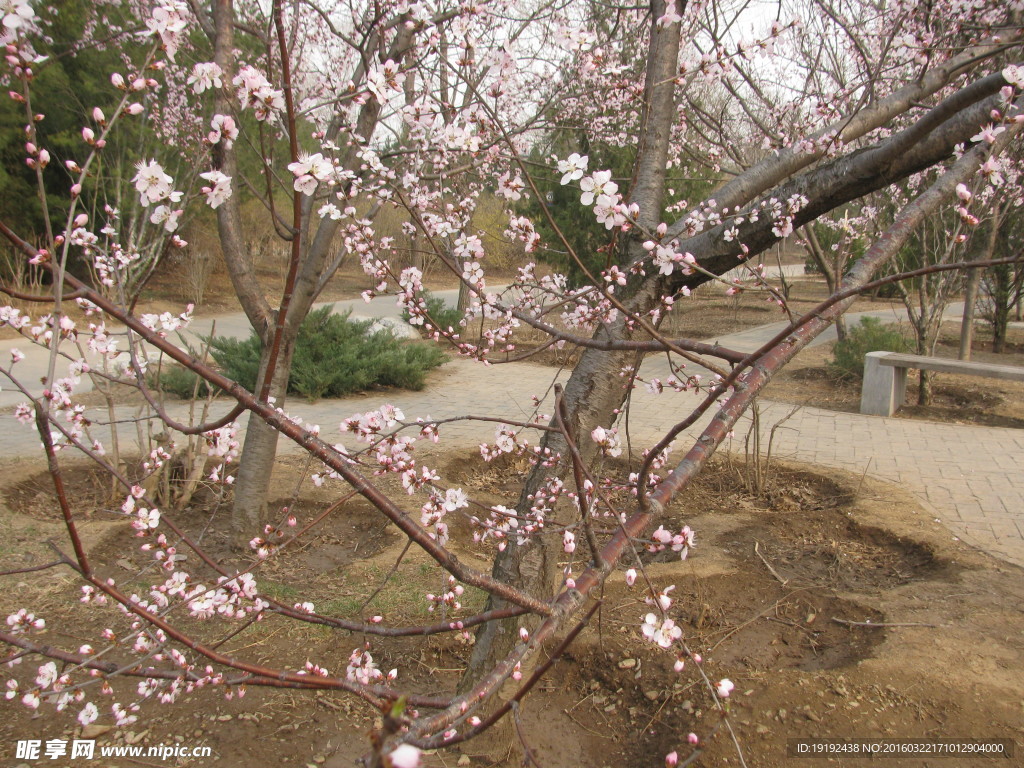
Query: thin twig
x=528, y=755
x=863, y=475
x=883, y=623
x=757, y=551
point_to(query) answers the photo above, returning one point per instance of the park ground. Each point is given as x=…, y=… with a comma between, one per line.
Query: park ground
x=837, y=604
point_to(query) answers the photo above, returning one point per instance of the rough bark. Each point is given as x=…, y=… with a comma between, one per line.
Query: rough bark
x=971, y=294
x=967, y=324
x=252, y=481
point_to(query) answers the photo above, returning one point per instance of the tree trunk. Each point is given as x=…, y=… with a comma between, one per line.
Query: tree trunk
x=924, y=389
x=999, y=332
x=967, y=324
x=592, y=394
x=1000, y=292
x=595, y=391
x=971, y=291
x=252, y=482
x=830, y=270
x=841, y=328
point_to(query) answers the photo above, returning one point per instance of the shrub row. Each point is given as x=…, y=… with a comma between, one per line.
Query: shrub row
x=334, y=356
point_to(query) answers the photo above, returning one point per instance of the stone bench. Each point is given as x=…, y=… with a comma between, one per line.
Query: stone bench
x=885, y=377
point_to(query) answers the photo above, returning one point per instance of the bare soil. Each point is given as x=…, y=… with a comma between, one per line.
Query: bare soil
x=836, y=604
x=808, y=380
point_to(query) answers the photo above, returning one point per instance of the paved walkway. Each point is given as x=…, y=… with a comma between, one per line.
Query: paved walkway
x=970, y=477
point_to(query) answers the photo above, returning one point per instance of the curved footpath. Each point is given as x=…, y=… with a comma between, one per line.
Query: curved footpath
x=969, y=477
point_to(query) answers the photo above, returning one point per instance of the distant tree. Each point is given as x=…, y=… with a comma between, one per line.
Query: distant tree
x=1002, y=286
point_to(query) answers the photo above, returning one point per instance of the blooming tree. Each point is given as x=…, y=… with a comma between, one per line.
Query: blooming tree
x=425, y=107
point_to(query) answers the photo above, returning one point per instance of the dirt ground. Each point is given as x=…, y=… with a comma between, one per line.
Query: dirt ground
x=838, y=607
x=957, y=399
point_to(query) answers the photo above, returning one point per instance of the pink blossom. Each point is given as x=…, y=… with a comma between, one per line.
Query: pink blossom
x=598, y=187
x=662, y=632
x=17, y=14
x=1014, y=75
x=670, y=17
x=224, y=127
x=221, y=189
x=205, y=75
x=163, y=214
x=151, y=182
x=725, y=687
x=384, y=78
x=988, y=134
x=511, y=188
x=47, y=675
x=89, y=714
x=572, y=168
x=569, y=542
x=167, y=23
x=607, y=440
x=254, y=91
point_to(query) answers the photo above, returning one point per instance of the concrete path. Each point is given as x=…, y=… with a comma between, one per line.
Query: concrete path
x=972, y=478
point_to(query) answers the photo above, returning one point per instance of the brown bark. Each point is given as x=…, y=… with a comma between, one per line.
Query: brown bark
x=829, y=268
x=259, y=449
x=971, y=291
